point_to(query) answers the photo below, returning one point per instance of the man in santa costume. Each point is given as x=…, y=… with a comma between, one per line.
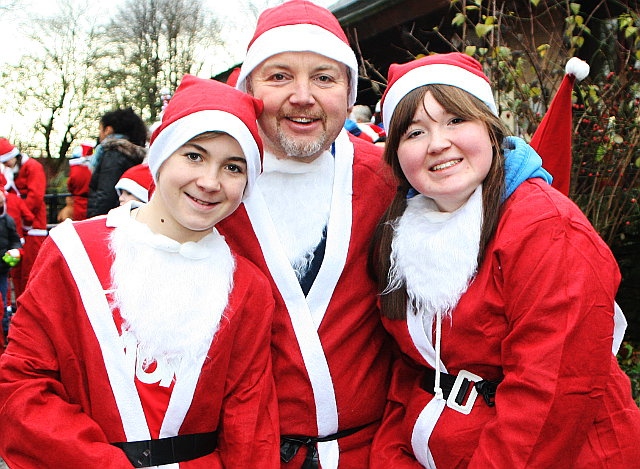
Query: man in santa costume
x=498, y=291
x=312, y=215
x=141, y=339
x=29, y=183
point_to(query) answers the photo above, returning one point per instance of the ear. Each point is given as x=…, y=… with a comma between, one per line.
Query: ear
x=108, y=130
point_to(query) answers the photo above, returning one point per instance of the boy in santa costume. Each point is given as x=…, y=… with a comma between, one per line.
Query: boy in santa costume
x=141, y=338
x=307, y=226
x=29, y=183
x=498, y=291
x=135, y=184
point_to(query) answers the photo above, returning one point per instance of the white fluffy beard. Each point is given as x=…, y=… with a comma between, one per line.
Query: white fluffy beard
x=435, y=254
x=299, y=199
x=171, y=297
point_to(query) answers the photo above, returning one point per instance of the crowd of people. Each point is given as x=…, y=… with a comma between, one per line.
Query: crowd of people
x=259, y=287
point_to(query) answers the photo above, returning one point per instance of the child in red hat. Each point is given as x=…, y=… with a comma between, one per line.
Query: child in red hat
x=498, y=291
x=141, y=338
x=134, y=184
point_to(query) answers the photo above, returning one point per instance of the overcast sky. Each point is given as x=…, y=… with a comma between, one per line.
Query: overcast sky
x=239, y=25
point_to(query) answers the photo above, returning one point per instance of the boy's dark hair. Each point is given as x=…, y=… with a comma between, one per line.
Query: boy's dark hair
x=126, y=122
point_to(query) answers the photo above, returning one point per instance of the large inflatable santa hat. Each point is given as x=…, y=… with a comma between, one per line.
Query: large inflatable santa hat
x=454, y=69
x=7, y=150
x=136, y=181
x=204, y=105
x=299, y=26
x=553, y=137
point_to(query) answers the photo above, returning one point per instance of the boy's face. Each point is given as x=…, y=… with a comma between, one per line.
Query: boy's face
x=126, y=196
x=200, y=184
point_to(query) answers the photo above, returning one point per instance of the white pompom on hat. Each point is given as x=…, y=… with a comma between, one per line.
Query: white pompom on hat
x=137, y=181
x=204, y=105
x=7, y=150
x=454, y=69
x=299, y=26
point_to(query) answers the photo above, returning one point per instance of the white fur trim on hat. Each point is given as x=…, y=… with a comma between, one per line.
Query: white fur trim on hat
x=133, y=188
x=7, y=156
x=184, y=129
x=300, y=38
x=437, y=74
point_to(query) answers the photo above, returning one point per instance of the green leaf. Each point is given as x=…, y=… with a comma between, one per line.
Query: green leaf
x=535, y=3
x=458, y=20
x=630, y=31
x=483, y=29
x=575, y=8
x=470, y=50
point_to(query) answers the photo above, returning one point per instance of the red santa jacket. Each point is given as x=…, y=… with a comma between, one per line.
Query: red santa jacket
x=31, y=183
x=331, y=354
x=539, y=316
x=78, y=186
x=57, y=396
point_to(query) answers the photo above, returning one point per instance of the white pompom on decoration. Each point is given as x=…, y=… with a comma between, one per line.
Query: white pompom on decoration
x=577, y=67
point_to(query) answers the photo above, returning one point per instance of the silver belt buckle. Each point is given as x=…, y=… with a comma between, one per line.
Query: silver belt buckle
x=451, y=400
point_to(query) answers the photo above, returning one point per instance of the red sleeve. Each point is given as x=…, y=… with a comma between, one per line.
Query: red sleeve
x=391, y=446
x=46, y=425
x=559, y=281
x=249, y=421
x=36, y=183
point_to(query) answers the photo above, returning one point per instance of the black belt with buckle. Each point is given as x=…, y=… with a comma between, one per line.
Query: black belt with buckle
x=290, y=444
x=460, y=385
x=147, y=453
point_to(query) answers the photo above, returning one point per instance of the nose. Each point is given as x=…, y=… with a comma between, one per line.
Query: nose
x=302, y=93
x=439, y=141
x=209, y=181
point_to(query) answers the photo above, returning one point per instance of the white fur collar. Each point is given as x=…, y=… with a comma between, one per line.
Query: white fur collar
x=435, y=253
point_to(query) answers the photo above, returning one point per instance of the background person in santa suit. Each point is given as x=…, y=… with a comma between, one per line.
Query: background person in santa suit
x=141, y=336
x=77, y=184
x=312, y=214
x=30, y=183
x=491, y=276
x=135, y=184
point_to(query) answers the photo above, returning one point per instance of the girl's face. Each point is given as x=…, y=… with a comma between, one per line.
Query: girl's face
x=443, y=156
x=201, y=183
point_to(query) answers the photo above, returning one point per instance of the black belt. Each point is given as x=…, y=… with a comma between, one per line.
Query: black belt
x=487, y=389
x=170, y=450
x=290, y=444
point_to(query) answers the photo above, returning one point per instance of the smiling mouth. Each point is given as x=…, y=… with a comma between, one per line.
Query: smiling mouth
x=302, y=120
x=448, y=164
x=200, y=201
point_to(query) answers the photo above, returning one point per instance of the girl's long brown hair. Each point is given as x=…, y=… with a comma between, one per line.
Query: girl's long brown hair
x=466, y=106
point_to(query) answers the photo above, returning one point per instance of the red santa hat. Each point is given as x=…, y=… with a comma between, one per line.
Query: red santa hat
x=553, y=137
x=299, y=26
x=204, y=105
x=137, y=181
x=7, y=150
x=454, y=69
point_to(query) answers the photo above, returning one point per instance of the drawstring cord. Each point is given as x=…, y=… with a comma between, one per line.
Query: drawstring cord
x=437, y=388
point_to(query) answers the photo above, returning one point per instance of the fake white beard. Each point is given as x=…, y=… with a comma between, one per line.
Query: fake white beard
x=171, y=296
x=435, y=254
x=299, y=199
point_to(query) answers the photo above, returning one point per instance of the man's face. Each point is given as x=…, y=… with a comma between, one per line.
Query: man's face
x=305, y=99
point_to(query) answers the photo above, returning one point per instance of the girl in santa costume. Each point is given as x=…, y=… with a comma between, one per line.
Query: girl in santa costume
x=141, y=339
x=497, y=281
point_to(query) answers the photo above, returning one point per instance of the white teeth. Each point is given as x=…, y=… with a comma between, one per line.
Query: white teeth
x=446, y=165
x=302, y=120
x=202, y=202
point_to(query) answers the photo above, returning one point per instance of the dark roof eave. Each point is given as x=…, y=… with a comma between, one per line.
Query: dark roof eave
x=352, y=11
